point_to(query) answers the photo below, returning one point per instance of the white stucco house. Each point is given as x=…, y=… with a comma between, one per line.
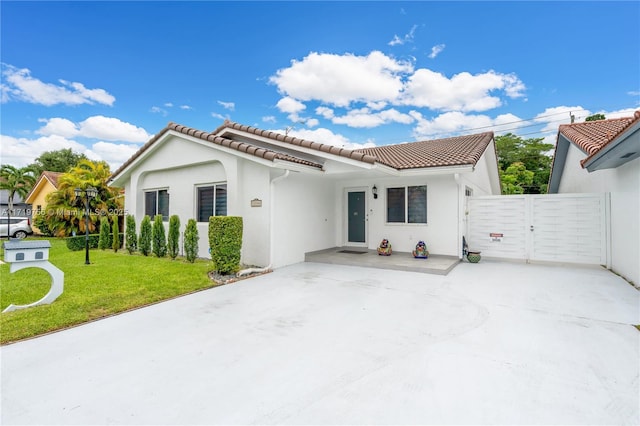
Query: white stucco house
x=604, y=157
x=298, y=196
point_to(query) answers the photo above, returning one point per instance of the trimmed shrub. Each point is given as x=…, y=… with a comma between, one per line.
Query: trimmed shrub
x=144, y=242
x=131, y=238
x=158, y=237
x=105, y=237
x=191, y=240
x=225, y=241
x=40, y=222
x=77, y=243
x=115, y=236
x=173, y=241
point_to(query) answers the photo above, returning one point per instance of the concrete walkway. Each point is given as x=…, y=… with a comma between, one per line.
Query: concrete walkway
x=490, y=343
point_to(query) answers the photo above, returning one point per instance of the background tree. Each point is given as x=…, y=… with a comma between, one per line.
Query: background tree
x=131, y=236
x=115, y=237
x=515, y=178
x=173, y=240
x=16, y=181
x=159, y=240
x=66, y=213
x=144, y=242
x=61, y=160
x=191, y=240
x=103, y=240
x=595, y=117
x=533, y=154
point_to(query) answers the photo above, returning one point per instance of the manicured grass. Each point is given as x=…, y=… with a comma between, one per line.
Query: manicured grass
x=114, y=282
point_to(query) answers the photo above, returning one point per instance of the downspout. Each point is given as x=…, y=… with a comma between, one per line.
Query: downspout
x=272, y=211
x=456, y=177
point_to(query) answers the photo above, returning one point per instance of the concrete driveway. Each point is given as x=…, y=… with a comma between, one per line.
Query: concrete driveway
x=325, y=344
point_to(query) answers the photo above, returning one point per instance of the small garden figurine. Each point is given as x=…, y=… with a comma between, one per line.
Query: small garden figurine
x=384, y=249
x=421, y=251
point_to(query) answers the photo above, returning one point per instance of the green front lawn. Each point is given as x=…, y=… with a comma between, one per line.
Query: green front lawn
x=114, y=282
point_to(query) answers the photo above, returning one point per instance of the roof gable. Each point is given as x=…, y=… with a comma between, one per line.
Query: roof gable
x=46, y=176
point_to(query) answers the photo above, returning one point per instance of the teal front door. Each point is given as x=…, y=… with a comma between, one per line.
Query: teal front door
x=357, y=217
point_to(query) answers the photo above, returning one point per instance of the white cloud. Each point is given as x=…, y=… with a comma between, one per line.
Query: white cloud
x=553, y=117
x=158, y=110
x=462, y=92
x=95, y=127
x=436, y=50
x=311, y=122
x=363, y=117
x=168, y=105
x=20, y=152
x=456, y=122
x=402, y=40
x=231, y=106
x=325, y=112
x=269, y=119
x=186, y=107
x=113, y=153
x=326, y=136
x=342, y=79
x=633, y=93
x=220, y=116
x=290, y=105
x=21, y=86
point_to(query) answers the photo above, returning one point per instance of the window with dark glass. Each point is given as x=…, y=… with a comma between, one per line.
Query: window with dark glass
x=211, y=201
x=407, y=204
x=395, y=205
x=157, y=202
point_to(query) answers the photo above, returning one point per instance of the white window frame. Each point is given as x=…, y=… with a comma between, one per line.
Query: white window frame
x=157, y=191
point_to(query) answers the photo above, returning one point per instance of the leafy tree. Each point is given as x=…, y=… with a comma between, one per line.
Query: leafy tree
x=16, y=181
x=115, y=237
x=144, y=242
x=595, y=117
x=173, y=242
x=104, y=240
x=131, y=237
x=533, y=154
x=191, y=240
x=61, y=160
x=515, y=178
x=158, y=237
x=66, y=212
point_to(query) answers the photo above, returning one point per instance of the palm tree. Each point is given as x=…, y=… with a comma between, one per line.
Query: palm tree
x=16, y=180
x=66, y=212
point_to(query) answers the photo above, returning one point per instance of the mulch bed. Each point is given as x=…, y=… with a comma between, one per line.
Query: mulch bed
x=228, y=279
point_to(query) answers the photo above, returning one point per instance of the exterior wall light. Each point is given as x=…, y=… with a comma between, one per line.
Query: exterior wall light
x=374, y=190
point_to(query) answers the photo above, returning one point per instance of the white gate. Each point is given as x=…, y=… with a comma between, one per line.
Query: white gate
x=552, y=227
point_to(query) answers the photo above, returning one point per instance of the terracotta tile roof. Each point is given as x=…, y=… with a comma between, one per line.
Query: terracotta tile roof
x=53, y=177
x=250, y=149
x=592, y=136
x=335, y=150
x=455, y=151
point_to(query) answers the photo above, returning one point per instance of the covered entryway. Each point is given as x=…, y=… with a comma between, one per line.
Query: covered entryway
x=550, y=227
x=356, y=218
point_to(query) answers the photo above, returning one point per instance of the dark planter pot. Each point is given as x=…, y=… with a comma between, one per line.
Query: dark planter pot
x=473, y=256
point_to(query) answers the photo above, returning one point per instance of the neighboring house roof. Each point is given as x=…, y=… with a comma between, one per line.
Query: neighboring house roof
x=607, y=144
x=456, y=151
x=46, y=176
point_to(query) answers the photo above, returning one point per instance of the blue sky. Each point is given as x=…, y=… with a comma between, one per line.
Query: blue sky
x=102, y=78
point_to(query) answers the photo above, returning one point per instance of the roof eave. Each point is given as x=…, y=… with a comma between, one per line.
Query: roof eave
x=624, y=148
